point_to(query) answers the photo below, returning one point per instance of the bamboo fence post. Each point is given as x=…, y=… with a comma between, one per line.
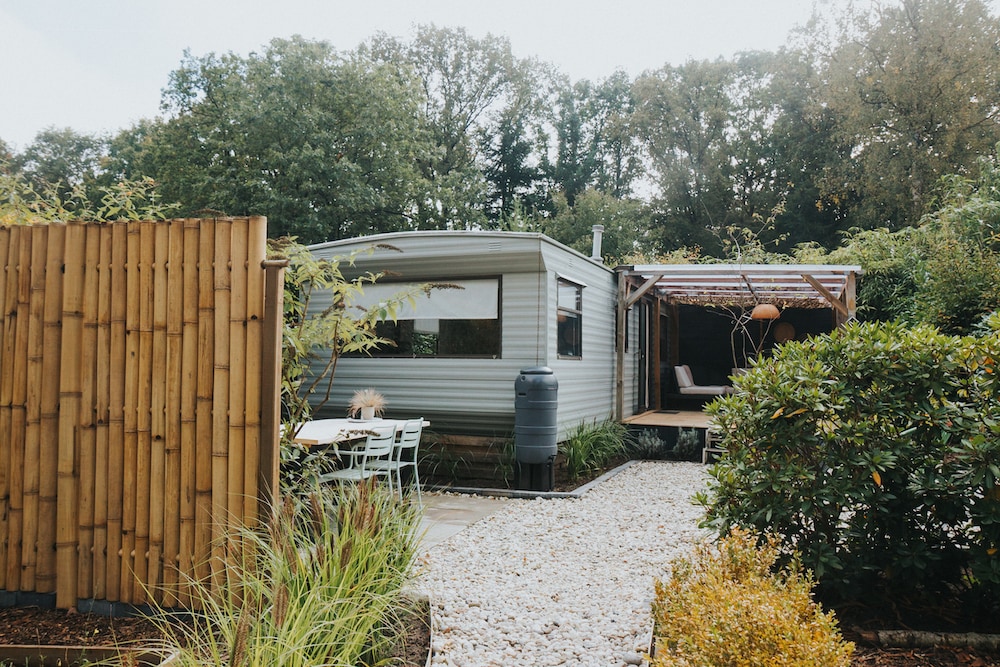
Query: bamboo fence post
x=19, y=398
x=159, y=380
x=117, y=381
x=220, y=424
x=102, y=408
x=130, y=411
x=46, y=574
x=147, y=250
x=188, y=407
x=238, y=254
x=8, y=296
x=33, y=407
x=204, y=522
x=268, y=484
x=87, y=494
x=257, y=254
x=172, y=426
x=67, y=444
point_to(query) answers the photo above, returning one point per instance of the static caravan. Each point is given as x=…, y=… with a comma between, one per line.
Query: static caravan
x=525, y=301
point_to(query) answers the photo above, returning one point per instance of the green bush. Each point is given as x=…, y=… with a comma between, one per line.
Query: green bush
x=725, y=607
x=592, y=445
x=319, y=586
x=875, y=453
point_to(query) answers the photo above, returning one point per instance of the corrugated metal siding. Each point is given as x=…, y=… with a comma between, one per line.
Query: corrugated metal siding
x=586, y=385
x=476, y=396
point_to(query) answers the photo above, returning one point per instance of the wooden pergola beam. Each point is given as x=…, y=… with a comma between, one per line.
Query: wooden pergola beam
x=838, y=305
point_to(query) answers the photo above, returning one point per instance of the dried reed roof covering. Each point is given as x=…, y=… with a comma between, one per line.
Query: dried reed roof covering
x=785, y=285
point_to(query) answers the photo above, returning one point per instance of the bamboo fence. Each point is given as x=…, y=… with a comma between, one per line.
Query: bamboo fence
x=139, y=384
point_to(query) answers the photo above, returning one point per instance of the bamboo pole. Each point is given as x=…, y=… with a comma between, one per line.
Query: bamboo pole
x=19, y=416
x=271, y=383
x=117, y=380
x=88, y=487
x=45, y=576
x=238, y=255
x=188, y=408
x=8, y=304
x=102, y=408
x=257, y=254
x=172, y=416
x=220, y=407
x=71, y=253
x=130, y=411
x=205, y=386
x=143, y=462
x=33, y=406
x=158, y=398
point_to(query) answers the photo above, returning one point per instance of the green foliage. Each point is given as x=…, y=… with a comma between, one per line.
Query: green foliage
x=946, y=272
x=646, y=444
x=591, y=446
x=325, y=146
x=724, y=606
x=906, y=83
x=319, y=586
x=25, y=201
x=873, y=452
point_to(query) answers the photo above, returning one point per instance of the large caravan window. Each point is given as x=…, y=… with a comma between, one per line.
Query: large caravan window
x=461, y=320
x=569, y=314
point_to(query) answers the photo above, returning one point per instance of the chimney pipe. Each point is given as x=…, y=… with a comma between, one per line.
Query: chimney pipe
x=595, y=253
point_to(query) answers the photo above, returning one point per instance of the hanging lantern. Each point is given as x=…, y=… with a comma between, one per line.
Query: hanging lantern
x=765, y=311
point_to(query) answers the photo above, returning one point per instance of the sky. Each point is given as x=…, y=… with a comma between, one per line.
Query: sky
x=99, y=66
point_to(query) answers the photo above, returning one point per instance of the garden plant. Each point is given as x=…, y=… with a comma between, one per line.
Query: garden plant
x=725, y=605
x=592, y=445
x=874, y=452
x=320, y=586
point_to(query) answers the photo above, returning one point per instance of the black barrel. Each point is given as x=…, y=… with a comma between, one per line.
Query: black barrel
x=536, y=398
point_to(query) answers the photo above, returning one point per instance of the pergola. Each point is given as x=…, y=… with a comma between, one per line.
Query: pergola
x=735, y=285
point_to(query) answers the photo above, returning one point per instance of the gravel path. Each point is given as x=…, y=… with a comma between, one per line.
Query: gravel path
x=562, y=581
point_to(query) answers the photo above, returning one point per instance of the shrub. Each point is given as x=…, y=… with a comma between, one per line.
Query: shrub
x=591, y=446
x=319, y=587
x=873, y=452
x=648, y=445
x=725, y=607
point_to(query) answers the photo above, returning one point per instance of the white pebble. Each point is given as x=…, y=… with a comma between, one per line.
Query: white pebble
x=563, y=581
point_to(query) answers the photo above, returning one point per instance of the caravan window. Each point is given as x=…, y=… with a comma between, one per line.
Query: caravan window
x=569, y=313
x=462, y=320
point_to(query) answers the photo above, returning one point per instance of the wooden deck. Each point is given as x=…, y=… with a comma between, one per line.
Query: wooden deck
x=678, y=418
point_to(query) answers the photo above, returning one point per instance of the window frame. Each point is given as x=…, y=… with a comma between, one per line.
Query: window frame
x=566, y=314
x=388, y=352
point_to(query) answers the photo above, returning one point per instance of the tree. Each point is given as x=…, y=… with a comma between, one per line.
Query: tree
x=472, y=89
x=623, y=220
x=63, y=158
x=912, y=86
x=323, y=145
x=684, y=113
x=944, y=272
x=595, y=144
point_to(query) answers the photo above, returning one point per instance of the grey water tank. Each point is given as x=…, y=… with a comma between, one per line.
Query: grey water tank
x=536, y=398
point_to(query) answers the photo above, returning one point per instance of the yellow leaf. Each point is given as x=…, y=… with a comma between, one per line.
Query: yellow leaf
x=877, y=477
x=992, y=551
x=777, y=413
x=796, y=412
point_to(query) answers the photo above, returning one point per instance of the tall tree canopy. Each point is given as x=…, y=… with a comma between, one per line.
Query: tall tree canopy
x=325, y=146
x=913, y=86
x=851, y=125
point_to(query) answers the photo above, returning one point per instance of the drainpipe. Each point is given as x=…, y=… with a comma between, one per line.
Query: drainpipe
x=595, y=253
